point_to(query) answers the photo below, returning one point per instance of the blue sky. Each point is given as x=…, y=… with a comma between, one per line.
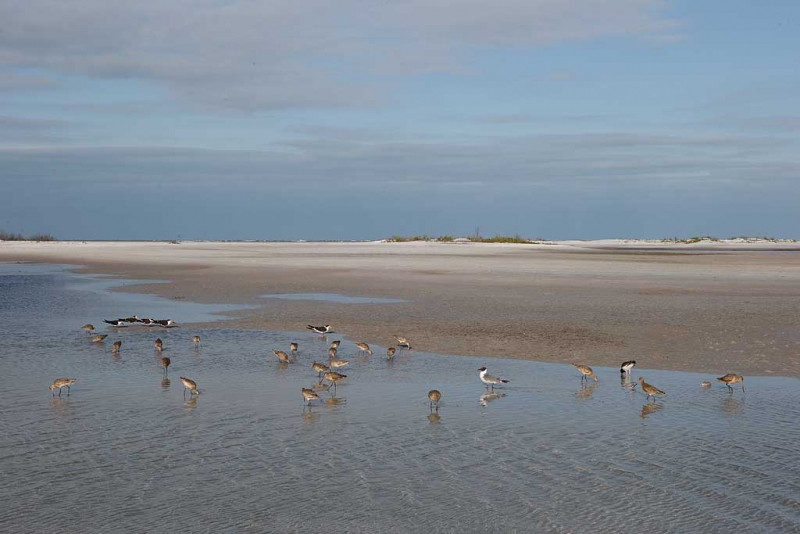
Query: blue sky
x=359, y=120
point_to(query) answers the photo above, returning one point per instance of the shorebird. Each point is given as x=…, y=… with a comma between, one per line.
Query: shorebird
x=335, y=344
x=321, y=329
x=490, y=380
x=320, y=368
x=59, y=383
x=117, y=345
x=390, y=353
x=293, y=347
x=309, y=395
x=706, y=384
x=147, y=322
x=337, y=363
x=196, y=340
x=88, y=328
x=402, y=342
x=159, y=345
x=731, y=378
x=282, y=356
x=332, y=352
x=115, y=322
x=649, y=389
x=165, y=364
x=627, y=366
x=333, y=377
x=133, y=319
x=189, y=384
x=434, y=395
x=363, y=347
x=585, y=370
x=99, y=337
x=166, y=323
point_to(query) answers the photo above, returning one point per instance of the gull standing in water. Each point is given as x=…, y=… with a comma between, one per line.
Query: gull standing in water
x=434, y=396
x=586, y=371
x=650, y=389
x=731, y=378
x=59, y=383
x=490, y=380
x=626, y=367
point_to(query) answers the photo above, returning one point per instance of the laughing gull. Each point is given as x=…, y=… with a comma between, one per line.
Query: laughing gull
x=490, y=380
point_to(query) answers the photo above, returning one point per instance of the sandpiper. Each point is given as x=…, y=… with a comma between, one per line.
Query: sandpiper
x=585, y=370
x=293, y=347
x=196, y=340
x=159, y=345
x=117, y=345
x=115, y=322
x=434, y=395
x=332, y=352
x=490, y=380
x=627, y=366
x=282, y=356
x=649, y=389
x=59, y=383
x=333, y=377
x=309, y=395
x=335, y=344
x=390, y=353
x=336, y=363
x=88, y=328
x=363, y=347
x=731, y=378
x=165, y=364
x=322, y=330
x=99, y=337
x=402, y=342
x=189, y=384
x=320, y=368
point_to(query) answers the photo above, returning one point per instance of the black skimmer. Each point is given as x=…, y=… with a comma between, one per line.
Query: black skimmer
x=650, y=389
x=310, y=395
x=117, y=345
x=282, y=356
x=116, y=322
x=165, y=364
x=189, y=384
x=196, y=340
x=402, y=342
x=490, y=380
x=363, y=347
x=434, y=395
x=626, y=367
x=731, y=378
x=322, y=330
x=166, y=323
x=99, y=337
x=132, y=320
x=585, y=370
x=88, y=328
x=147, y=322
x=59, y=383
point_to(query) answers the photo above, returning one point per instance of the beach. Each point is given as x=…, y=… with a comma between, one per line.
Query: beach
x=708, y=307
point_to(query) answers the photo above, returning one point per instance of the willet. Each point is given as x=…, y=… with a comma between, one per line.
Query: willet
x=333, y=377
x=336, y=363
x=363, y=347
x=649, y=389
x=293, y=347
x=59, y=383
x=88, y=328
x=335, y=344
x=165, y=363
x=320, y=368
x=390, y=353
x=159, y=345
x=196, y=340
x=586, y=371
x=189, y=384
x=627, y=366
x=282, y=356
x=309, y=395
x=99, y=337
x=402, y=342
x=434, y=396
x=322, y=330
x=490, y=380
x=731, y=378
x=117, y=345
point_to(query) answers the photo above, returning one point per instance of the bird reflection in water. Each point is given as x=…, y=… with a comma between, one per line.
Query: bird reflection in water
x=434, y=418
x=191, y=403
x=625, y=382
x=486, y=398
x=335, y=401
x=586, y=391
x=58, y=404
x=650, y=408
x=165, y=383
x=732, y=405
x=309, y=417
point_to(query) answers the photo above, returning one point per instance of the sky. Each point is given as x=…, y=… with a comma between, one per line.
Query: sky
x=351, y=119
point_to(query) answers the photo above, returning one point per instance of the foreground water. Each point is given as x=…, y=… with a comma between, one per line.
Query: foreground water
x=126, y=450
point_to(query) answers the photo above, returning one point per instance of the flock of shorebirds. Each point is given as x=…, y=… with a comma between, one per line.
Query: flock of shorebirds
x=325, y=372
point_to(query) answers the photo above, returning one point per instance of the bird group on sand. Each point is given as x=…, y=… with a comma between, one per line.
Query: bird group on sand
x=127, y=321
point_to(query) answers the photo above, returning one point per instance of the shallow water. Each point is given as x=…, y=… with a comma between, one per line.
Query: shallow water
x=332, y=297
x=127, y=451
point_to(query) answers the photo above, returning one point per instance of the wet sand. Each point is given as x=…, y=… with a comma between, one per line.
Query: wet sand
x=705, y=308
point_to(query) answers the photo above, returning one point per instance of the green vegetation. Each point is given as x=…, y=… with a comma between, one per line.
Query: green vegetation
x=472, y=239
x=8, y=236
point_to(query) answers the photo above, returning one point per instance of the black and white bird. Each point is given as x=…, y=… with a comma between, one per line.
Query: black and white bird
x=166, y=323
x=116, y=322
x=320, y=329
x=627, y=366
x=490, y=380
x=133, y=319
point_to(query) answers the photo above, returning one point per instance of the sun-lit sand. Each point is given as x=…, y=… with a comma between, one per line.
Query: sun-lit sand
x=710, y=307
